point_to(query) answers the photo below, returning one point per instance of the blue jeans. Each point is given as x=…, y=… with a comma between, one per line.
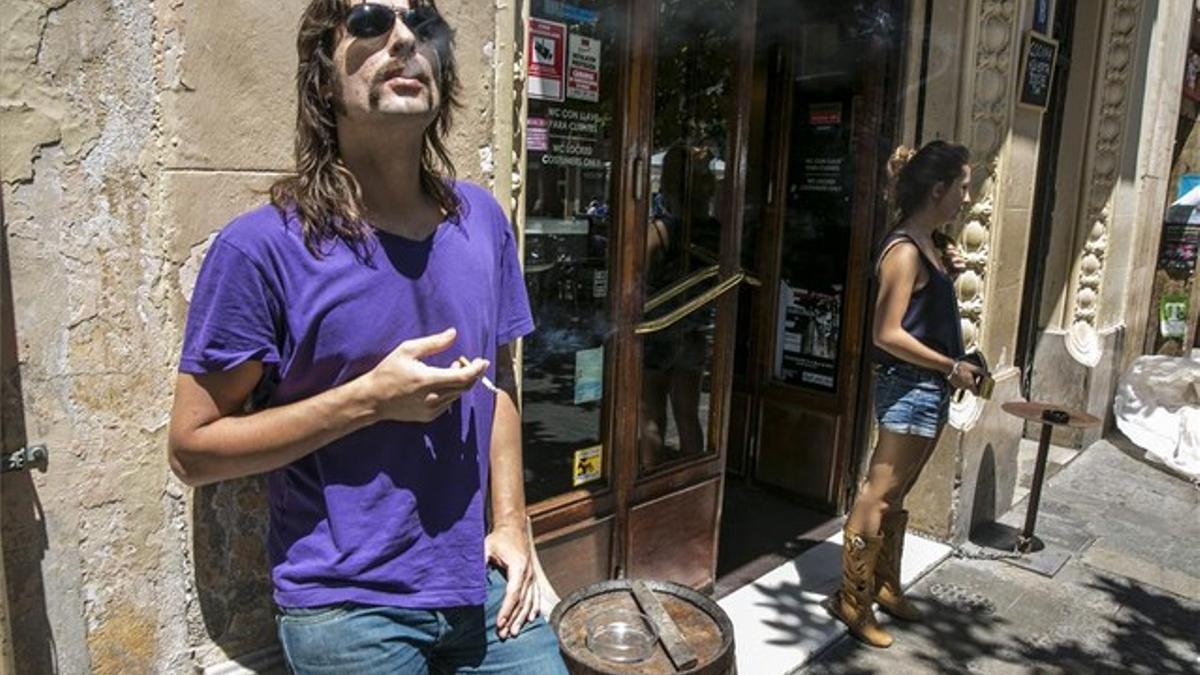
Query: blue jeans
x=368, y=640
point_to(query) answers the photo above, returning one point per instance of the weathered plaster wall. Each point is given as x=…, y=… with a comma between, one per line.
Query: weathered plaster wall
x=91, y=555
x=131, y=132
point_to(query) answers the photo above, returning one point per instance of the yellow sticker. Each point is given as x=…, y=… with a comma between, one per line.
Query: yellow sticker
x=588, y=465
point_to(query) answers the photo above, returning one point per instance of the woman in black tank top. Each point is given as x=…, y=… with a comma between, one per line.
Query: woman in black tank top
x=919, y=349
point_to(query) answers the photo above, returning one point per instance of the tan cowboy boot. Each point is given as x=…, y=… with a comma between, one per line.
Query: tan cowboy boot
x=888, y=591
x=852, y=603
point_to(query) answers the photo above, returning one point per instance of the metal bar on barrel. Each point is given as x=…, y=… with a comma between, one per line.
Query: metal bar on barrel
x=680, y=652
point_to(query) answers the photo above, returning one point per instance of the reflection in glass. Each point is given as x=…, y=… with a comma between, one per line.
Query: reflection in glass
x=696, y=48
x=570, y=146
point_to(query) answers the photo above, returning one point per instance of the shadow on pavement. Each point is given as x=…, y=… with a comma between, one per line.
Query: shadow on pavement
x=1151, y=632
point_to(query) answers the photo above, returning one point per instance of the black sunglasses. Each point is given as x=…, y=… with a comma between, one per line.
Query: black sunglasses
x=373, y=19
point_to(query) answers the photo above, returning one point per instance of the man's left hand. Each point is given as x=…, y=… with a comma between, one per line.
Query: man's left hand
x=508, y=548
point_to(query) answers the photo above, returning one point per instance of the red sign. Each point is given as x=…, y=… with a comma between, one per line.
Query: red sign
x=546, y=54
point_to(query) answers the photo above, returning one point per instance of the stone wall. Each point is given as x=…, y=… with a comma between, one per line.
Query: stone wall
x=973, y=468
x=132, y=131
x=1096, y=250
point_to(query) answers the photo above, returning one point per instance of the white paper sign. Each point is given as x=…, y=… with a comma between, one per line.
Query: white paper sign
x=583, y=69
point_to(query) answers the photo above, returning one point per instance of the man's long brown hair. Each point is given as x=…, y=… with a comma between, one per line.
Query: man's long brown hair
x=325, y=195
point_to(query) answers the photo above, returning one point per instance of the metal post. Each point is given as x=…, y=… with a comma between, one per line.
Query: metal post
x=1025, y=542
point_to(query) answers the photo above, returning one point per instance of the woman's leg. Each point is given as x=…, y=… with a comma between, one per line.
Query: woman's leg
x=889, y=589
x=653, y=411
x=685, y=403
x=918, y=467
x=895, y=464
x=895, y=458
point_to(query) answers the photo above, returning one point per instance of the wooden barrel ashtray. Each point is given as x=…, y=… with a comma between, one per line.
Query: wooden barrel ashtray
x=695, y=635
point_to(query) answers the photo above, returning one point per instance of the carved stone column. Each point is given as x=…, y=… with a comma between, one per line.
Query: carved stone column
x=988, y=97
x=1106, y=140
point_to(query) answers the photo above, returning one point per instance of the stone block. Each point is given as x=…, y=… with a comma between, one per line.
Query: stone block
x=233, y=105
x=990, y=464
x=947, y=56
x=475, y=38
x=1020, y=171
x=931, y=502
x=1010, y=243
x=1058, y=378
x=1102, y=386
x=1001, y=322
x=196, y=205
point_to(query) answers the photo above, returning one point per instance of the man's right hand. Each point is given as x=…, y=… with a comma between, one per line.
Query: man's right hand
x=405, y=389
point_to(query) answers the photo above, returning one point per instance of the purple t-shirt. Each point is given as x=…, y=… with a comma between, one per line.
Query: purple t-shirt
x=392, y=514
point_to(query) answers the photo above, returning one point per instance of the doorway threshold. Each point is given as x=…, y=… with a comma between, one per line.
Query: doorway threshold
x=778, y=621
x=761, y=529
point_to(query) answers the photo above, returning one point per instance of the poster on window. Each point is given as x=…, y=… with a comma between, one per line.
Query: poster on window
x=1178, y=249
x=807, y=332
x=589, y=375
x=546, y=56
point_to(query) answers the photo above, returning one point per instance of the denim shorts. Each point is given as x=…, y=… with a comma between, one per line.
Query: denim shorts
x=911, y=400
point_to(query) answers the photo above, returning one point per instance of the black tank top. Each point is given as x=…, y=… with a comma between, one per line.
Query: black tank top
x=932, y=315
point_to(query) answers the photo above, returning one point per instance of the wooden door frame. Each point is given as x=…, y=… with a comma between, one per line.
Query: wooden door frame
x=569, y=512
x=634, y=119
x=634, y=187
x=633, y=487
x=869, y=121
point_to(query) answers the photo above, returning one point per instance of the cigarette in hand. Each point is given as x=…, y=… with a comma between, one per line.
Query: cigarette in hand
x=466, y=363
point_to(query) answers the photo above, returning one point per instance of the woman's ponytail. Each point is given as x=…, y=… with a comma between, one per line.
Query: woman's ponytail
x=913, y=174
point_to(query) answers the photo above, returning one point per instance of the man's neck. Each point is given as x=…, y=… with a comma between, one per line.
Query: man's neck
x=387, y=165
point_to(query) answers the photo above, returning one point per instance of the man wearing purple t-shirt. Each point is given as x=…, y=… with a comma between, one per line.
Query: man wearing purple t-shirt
x=325, y=347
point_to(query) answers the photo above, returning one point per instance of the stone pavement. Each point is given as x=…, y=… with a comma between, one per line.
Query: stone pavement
x=1127, y=599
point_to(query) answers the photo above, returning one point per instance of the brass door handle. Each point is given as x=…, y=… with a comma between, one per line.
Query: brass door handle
x=662, y=323
x=703, y=254
x=680, y=286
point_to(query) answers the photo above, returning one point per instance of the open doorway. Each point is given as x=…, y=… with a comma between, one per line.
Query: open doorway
x=823, y=117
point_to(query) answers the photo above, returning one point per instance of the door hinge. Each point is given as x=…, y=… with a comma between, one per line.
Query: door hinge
x=26, y=458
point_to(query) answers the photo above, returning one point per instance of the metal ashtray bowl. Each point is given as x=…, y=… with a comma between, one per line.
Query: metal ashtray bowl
x=621, y=635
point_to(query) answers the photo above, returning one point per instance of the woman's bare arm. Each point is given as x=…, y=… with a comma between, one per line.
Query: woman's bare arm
x=898, y=272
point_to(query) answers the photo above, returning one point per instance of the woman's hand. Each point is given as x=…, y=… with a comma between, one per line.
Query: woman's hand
x=953, y=261
x=965, y=376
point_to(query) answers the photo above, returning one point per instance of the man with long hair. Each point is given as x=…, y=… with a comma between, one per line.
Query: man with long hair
x=340, y=340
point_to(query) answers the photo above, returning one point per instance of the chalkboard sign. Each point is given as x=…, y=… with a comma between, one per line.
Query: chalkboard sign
x=1037, y=71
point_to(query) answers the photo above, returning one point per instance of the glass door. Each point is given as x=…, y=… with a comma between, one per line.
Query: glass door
x=574, y=181
x=632, y=224
x=688, y=281
x=571, y=140
x=829, y=92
